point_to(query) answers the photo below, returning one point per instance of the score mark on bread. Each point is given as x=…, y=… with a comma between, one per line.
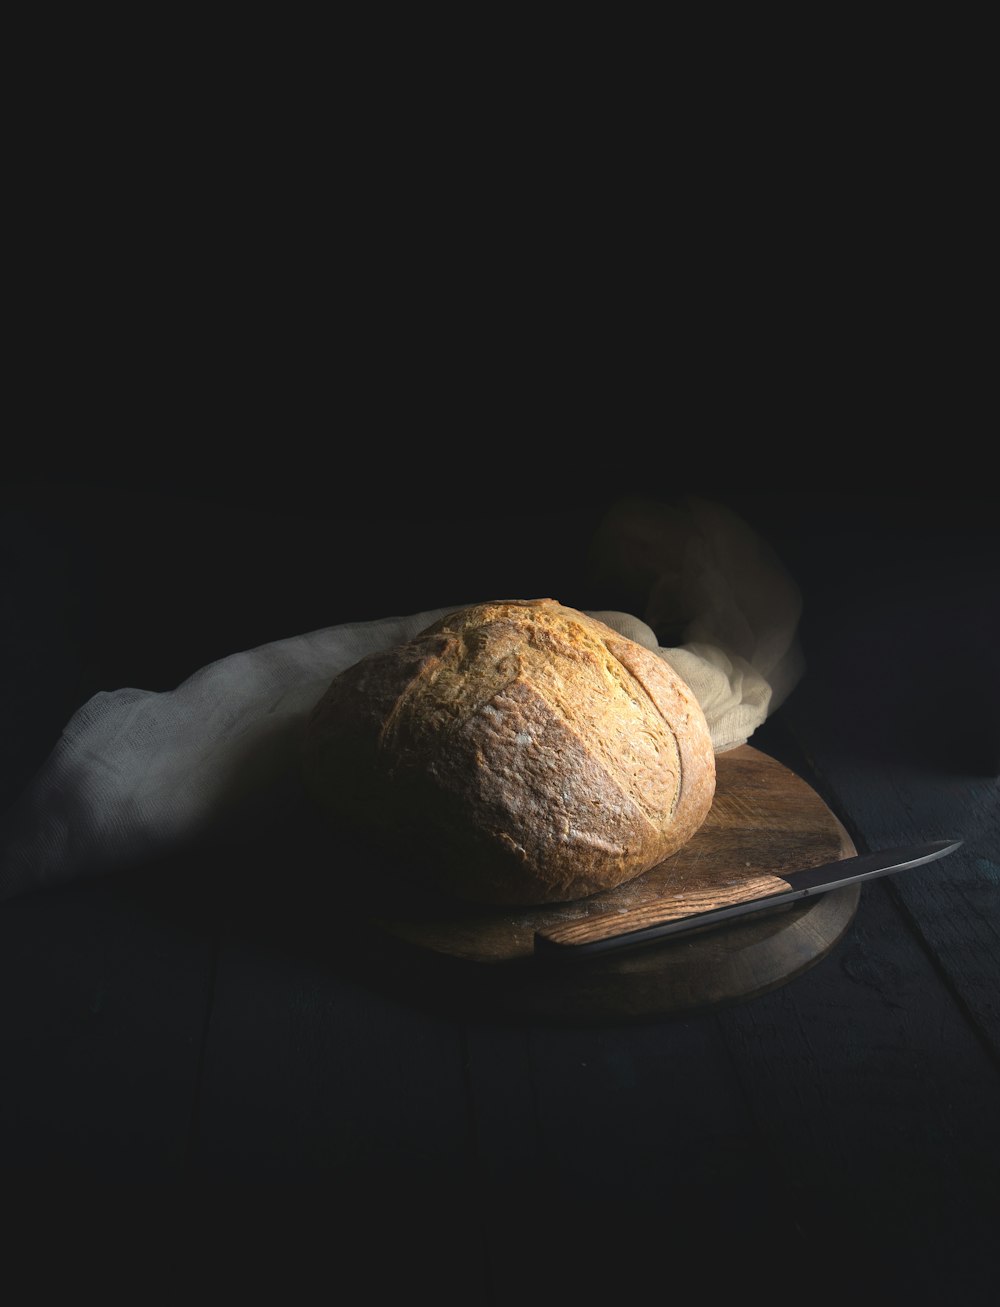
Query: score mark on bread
x=515, y=752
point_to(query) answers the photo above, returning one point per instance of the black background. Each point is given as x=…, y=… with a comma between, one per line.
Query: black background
x=235, y=414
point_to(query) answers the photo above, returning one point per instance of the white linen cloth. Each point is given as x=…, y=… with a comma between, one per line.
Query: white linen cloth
x=138, y=775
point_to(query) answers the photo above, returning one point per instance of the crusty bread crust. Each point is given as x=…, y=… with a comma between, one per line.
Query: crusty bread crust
x=519, y=752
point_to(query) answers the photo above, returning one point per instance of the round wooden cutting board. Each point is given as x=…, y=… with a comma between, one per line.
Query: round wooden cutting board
x=764, y=820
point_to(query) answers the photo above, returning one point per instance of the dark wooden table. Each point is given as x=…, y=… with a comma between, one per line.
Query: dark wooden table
x=190, y=1027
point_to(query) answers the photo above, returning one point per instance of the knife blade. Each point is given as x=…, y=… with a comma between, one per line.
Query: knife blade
x=655, y=921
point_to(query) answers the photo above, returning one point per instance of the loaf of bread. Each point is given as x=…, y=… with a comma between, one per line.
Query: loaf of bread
x=516, y=753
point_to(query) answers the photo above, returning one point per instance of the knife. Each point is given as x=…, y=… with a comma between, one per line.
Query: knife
x=654, y=921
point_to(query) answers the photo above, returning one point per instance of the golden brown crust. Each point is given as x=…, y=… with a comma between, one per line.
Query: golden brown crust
x=524, y=752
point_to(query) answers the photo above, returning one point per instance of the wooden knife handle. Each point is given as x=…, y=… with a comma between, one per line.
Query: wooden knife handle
x=609, y=925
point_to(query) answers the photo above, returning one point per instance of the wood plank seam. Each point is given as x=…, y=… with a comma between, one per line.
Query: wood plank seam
x=828, y=790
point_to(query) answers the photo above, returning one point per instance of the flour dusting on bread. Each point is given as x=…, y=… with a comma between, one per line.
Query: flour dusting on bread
x=517, y=752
